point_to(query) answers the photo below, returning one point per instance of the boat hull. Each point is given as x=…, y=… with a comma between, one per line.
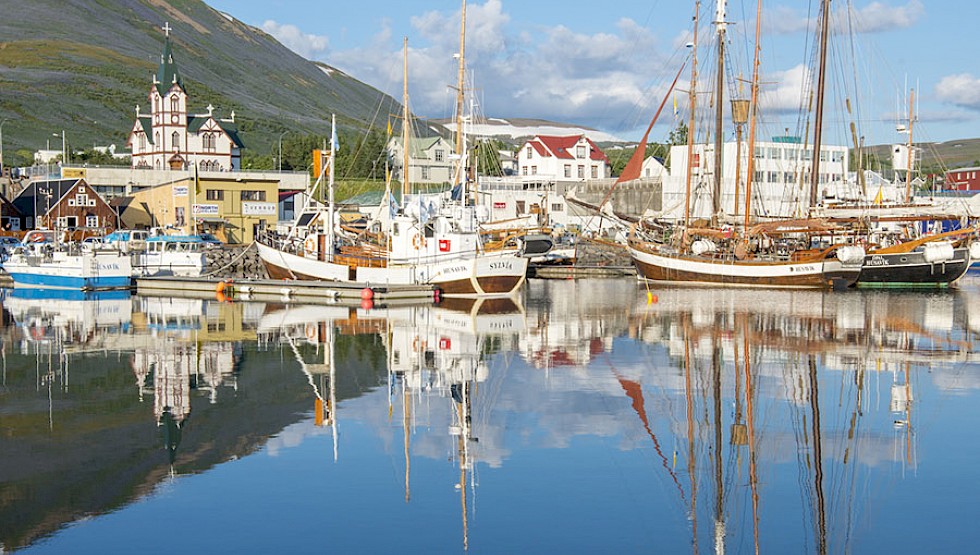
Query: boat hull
x=655, y=266
x=491, y=274
x=911, y=269
x=83, y=272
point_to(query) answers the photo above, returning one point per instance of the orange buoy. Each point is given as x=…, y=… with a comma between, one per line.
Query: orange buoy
x=222, y=291
x=367, y=304
x=367, y=294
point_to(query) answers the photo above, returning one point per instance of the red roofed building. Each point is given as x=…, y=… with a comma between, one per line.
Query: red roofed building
x=573, y=158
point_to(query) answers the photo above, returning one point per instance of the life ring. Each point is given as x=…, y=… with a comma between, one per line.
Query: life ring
x=310, y=244
x=311, y=332
x=417, y=344
x=418, y=241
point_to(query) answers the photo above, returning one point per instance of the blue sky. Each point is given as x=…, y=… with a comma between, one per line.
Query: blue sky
x=607, y=64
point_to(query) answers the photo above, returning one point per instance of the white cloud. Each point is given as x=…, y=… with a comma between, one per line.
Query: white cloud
x=876, y=17
x=547, y=72
x=306, y=45
x=961, y=90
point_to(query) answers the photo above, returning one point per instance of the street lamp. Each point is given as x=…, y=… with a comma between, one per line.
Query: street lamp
x=3, y=121
x=280, y=150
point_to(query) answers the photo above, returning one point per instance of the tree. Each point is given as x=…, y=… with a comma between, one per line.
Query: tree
x=679, y=135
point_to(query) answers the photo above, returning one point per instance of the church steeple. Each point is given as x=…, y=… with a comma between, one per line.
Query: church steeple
x=167, y=74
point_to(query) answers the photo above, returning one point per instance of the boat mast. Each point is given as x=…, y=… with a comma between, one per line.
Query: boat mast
x=460, y=83
x=720, y=14
x=406, y=187
x=754, y=107
x=693, y=106
x=908, y=172
x=821, y=86
x=331, y=208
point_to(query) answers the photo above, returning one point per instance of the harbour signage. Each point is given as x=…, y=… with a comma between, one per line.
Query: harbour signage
x=204, y=209
x=259, y=208
x=180, y=190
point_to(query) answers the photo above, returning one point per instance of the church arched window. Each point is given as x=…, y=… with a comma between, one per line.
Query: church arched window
x=156, y=164
x=156, y=138
x=174, y=103
x=142, y=141
x=175, y=140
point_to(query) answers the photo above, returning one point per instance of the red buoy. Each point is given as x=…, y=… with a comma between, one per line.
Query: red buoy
x=367, y=294
x=367, y=304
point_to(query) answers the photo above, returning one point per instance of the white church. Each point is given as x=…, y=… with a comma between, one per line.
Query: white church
x=169, y=137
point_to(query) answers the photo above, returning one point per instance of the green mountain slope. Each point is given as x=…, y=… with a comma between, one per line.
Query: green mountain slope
x=82, y=66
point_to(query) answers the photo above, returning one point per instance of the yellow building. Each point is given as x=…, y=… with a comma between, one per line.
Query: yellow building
x=233, y=207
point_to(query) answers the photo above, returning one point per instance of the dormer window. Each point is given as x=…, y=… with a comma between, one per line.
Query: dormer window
x=580, y=152
x=529, y=151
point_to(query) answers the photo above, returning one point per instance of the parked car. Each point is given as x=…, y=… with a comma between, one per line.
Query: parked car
x=210, y=241
x=7, y=244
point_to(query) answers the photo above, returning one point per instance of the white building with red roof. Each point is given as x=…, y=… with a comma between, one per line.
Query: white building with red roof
x=571, y=158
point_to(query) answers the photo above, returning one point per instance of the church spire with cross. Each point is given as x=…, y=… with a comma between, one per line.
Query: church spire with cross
x=167, y=74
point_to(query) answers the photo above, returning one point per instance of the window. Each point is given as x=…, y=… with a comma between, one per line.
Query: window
x=91, y=221
x=759, y=153
x=156, y=137
x=773, y=177
x=534, y=170
x=425, y=172
x=174, y=103
x=258, y=195
x=823, y=155
x=759, y=175
x=440, y=155
x=557, y=207
x=788, y=177
x=595, y=172
x=216, y=194
x=774, y=153
x=580, y=151
x=208, y=141
x=581, y=172
x=175, y=140
x=529, y=151
x=568, y=170
x=523, y=170
x=142, y=141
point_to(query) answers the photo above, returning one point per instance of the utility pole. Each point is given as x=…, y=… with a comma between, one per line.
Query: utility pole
x=3, y=121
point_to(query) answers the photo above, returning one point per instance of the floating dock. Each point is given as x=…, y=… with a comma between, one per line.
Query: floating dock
x=575, y=272
x=269, y=290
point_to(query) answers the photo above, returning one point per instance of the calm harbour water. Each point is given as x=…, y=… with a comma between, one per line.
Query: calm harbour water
x=580, y=418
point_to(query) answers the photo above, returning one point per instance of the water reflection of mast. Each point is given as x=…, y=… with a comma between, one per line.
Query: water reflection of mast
x=753, y=475
x=719, y=485
x=461, y=396
x=690, y=436
x=817, y=457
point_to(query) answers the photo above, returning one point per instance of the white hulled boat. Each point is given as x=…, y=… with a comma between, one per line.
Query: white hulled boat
x=41, y=261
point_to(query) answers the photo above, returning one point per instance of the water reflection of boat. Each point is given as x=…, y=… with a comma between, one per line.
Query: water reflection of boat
x=68, y=316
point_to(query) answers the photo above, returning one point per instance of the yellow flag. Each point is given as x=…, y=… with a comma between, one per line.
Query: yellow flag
x=879, y=197
x=389, y=127
x=675, y=105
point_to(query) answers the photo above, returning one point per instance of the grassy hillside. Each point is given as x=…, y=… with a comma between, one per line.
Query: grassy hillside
x=83, y=65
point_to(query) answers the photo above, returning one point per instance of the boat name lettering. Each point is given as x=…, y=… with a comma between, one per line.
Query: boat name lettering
x=878, y=260
x=109, y=266
x=501, y=266
x=455, y=269
x=807, y=268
